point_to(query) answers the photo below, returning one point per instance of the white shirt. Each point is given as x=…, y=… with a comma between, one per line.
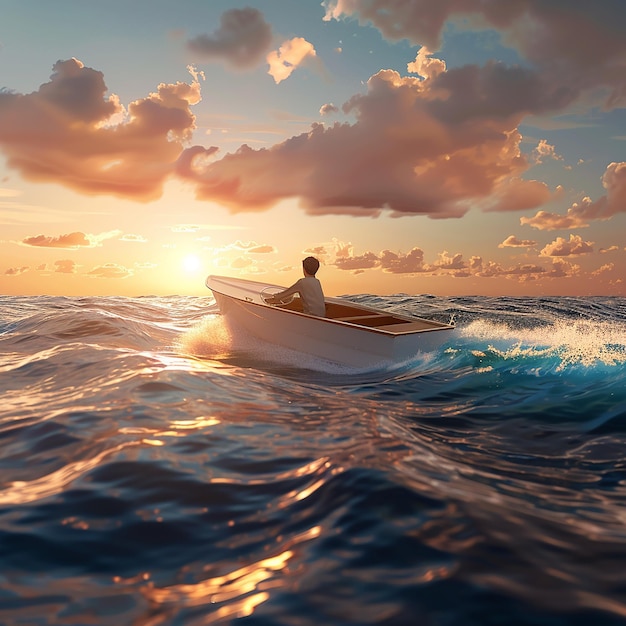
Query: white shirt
x=310, y=290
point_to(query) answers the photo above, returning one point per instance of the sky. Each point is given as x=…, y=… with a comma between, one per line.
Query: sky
x=457, y=147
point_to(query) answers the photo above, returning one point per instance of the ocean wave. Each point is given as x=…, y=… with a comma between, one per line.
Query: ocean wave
x=159, y=468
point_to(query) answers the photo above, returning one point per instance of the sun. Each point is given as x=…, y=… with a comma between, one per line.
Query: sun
x=191, y=263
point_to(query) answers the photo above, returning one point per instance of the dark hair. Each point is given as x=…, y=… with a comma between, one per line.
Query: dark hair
x=310, y=265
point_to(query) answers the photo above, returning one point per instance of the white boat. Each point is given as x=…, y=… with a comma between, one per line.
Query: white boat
x=350, y=334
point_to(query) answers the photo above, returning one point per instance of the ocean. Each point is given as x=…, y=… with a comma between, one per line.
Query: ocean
x=158, y=467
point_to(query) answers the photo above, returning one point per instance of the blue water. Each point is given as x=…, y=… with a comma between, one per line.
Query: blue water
x=159, y=467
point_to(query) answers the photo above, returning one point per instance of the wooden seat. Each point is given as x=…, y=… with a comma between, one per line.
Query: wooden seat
x=359, y=318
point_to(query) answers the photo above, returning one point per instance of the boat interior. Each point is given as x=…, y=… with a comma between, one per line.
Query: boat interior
x=382, y=320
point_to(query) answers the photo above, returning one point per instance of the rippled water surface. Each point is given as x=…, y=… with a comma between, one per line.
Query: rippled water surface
x=159, y=467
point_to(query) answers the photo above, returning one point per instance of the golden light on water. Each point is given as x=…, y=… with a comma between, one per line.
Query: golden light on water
x=194, y=424
x=23, y=492
x=237, y=593
x=241, y=589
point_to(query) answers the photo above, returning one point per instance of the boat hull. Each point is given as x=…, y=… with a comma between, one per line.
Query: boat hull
x=340, y=342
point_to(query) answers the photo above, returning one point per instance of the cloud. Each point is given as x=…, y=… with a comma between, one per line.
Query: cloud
x=368, y=260
x=425, y=65
x=454, y=265
x=242, y=40
x=545, y=151
x=576, y=46
x=513, y=242
x=64, y=133
x=580, y=213
x=249, y=247
x=328, y=109
x=65, y=266
x=608, y=267
x=562, y=247
x=563, y=269
x=543, y=220
x=525, y=272
x=397, y=263
x=16, y=271
x=288, y=57
x=133, y=238
x=516, y=194
x=433, y=147
x=243, y=245
x=447, y=262
x=614, y=181
x=437, y=145
x=100, y=237
x=71, y=240
x=147, y=265
x=262, y=249
x=336, y=248
x=110, y=270
x=318, y=251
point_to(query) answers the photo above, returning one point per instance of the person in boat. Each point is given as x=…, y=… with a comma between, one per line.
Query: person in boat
x=309, y=288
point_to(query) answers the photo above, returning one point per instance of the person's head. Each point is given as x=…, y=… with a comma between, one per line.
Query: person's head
x=310, y=265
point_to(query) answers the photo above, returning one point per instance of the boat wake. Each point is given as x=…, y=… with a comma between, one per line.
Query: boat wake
x=562, y=345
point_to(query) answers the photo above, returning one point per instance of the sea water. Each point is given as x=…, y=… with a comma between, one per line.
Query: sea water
x=160, y=467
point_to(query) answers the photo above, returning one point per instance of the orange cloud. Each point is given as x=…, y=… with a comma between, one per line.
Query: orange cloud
x=425, y=65
x=16, y=271
x=261, y=249
x=447, y=262
x=356, y=263
x=318, y=251
x=64, y=133
x=543, y=220
x=288, y=57
x=410, y=263
x=608, y=267
x=454, y=265
x=71, y=240
x=562, y=247
x=242, y=40
x=563, y=269
x=65, y=266
x=513, y=242
x=245, y=245
x=545, y=151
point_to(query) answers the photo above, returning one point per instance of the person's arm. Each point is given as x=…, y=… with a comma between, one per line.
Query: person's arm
x=290, y=291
